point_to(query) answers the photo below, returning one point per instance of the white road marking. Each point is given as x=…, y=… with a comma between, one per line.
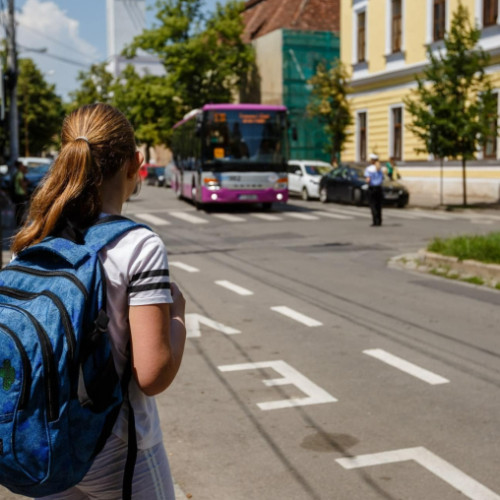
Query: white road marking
x=406, y=366
x=401, y=214
x=315, y=395
x=229, y=217
x=153, y=219
x=234, y=288
x=439, y=467
x=193, y=219
x=194, y=322
x=301, y=318
x=184, y=267
x=298, y=215
x=430, y=215
x=269, y=217
x=356, y=213
x=331, y=215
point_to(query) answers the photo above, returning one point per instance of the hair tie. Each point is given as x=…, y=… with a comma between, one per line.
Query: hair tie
x=83, y=138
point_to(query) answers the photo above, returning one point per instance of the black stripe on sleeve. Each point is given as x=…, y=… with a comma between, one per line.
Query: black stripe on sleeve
x=151, y=286
x=149, y=274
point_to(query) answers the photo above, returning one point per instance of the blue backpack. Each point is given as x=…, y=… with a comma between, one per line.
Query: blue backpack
x=59, y=392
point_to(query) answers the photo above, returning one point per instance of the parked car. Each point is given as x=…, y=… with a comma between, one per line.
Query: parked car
x=34, y=175
x=304, y=177
x=347, y=184
x=155, y=174
x=34, y=161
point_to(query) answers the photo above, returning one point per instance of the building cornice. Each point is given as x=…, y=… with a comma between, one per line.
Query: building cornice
x=383, y=76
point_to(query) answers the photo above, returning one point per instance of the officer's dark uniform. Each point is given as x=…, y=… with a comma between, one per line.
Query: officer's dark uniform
x=374, y=179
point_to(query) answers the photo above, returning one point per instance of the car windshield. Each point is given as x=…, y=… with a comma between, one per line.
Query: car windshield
x=317, y=169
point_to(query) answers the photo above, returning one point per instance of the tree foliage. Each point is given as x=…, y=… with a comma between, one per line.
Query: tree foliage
x=95, y=86
x=40, y=110
x=149, y=104
x=205, y=59
x=329, y=103
x=453, y=106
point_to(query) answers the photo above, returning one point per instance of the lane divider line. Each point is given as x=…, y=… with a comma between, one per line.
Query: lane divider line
x=183, y=266
x=301, y=318
x=234, y=288
x=406, y=366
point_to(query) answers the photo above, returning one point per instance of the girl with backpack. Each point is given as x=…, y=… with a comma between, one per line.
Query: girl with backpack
x=93, y=176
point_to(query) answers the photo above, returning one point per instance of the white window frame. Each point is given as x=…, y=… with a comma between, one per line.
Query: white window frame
x=388, y=31
x=479, y=13
x=358, y=138
x=392, y=107
x=430, y=20
x=358, y=7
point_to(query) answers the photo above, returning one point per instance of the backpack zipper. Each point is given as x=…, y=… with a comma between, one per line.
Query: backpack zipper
x=25, y=391
x=39, y=272
x=68, y=327
x=51, y=383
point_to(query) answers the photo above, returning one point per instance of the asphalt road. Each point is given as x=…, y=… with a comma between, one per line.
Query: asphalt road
x=315, y=371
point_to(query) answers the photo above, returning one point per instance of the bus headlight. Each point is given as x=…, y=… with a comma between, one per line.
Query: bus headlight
x=281, y=183
x=211, y=183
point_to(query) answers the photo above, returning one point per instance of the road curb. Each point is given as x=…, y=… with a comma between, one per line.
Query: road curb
x=489, y=272
x=448, y=267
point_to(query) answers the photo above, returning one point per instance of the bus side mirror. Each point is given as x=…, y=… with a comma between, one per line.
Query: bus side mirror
x=295, y=135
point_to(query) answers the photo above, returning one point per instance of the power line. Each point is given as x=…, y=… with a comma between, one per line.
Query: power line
x=52, y=39
x=66, y=60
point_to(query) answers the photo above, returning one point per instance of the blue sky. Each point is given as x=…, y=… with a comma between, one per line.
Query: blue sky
x=73, y=30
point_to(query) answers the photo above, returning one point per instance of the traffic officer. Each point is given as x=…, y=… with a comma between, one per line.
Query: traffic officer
x=374, y=178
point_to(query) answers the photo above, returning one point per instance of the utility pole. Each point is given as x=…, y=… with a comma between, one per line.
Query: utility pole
x=12, y=73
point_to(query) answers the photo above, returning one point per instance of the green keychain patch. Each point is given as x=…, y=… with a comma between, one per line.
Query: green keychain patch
x=8, y=374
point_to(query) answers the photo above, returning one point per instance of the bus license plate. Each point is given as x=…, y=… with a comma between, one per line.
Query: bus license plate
x=247, y=197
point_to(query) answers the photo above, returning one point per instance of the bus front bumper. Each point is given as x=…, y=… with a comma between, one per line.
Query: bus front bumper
x=243, y=196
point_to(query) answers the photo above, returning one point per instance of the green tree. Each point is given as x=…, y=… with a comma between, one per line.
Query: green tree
x=40, y=110
x=329, y=103
x=205, y=60
x=149, y=104
x=95, y=86
x=453, y=106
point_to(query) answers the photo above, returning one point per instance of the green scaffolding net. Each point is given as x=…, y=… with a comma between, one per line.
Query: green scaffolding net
x=302, y=52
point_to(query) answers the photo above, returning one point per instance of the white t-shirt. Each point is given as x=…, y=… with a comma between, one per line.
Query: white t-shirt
x=136, y=270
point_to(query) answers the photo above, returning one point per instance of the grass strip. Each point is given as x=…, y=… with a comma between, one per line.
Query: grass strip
x=476, y=247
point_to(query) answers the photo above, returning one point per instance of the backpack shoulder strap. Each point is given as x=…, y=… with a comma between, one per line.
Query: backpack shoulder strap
x=107, y=229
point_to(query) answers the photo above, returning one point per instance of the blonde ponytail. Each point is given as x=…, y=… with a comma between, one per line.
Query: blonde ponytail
x=96, y=140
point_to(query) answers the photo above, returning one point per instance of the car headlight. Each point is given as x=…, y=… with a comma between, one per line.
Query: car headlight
x=281, y=183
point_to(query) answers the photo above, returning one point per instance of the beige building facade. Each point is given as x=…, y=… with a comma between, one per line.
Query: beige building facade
x=383, y=42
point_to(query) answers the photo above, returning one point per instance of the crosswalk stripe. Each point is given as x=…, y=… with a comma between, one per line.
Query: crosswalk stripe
x=331, y=215
x=153, y=219
x=193, y=219
x=301, y=216
x=429, y=215
x=352, y=212
x=229, y=217
x=269, y=217
x=401, y=215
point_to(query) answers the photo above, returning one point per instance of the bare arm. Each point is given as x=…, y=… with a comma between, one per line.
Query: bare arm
x=158, y=335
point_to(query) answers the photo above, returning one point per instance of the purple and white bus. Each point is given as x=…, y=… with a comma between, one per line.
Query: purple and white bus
x=232, y=153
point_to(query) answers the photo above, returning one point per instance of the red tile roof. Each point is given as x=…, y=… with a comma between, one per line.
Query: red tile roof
x=263, y=16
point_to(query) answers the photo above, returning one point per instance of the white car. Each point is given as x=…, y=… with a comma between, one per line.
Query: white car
x=34, y=161
x=304, y=177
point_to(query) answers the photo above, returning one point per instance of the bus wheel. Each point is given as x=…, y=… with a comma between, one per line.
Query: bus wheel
x=267, y=206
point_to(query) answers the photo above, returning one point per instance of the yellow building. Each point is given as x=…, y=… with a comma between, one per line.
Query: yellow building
x=383, y=42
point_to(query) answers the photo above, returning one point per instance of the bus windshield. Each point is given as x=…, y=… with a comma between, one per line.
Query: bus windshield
x=244, y=136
